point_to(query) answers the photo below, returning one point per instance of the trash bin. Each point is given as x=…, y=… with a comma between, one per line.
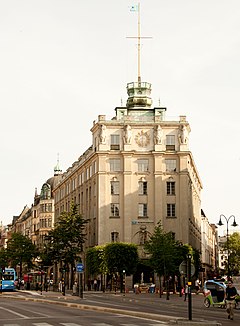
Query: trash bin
x=28, y=286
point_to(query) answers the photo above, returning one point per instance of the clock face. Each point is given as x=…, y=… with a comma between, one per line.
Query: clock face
x=142, y=139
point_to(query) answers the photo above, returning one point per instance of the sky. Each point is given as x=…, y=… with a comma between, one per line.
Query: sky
x=64, y=62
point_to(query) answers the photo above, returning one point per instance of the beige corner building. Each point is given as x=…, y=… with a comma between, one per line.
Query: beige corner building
x=137, y=172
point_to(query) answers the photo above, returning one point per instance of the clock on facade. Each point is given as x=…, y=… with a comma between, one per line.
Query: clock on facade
x=142, y=139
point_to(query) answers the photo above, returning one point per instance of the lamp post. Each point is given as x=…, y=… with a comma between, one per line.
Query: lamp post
x=220, y=223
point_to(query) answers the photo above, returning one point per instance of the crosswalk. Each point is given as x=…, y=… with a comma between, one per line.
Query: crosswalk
x=149, y=323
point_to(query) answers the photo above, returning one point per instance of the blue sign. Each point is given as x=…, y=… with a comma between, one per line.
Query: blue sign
x=79, y=268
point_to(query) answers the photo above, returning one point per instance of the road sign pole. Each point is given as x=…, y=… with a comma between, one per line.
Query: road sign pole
x=81, y=285
x=189, y=257
x=80, y=269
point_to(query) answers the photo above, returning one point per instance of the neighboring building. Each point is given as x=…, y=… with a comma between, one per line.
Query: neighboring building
x=209, y=248
x=42, y=218
x=223, y=255
x=22, y=223
x=3, y=236
x=137, y=172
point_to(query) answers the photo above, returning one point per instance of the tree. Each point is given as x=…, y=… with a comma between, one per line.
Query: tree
x=3, y=258
x=95, y=260
x=182, y=251
x=163, y=252
x=67, y=238
x=234, y=253
x=21, y=251
x=121, y=256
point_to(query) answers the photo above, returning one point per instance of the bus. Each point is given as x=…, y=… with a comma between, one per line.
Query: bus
x=9, y=279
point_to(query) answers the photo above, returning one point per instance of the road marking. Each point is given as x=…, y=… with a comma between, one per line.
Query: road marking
x=103, y=324
x=42, y=324
x=15, y=313
x=69, y=324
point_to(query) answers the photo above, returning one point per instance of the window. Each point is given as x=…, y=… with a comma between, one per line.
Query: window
x=45, y=208
x=114, y=187
x=114, y=236
x=115, y=210
x=115, y=142
x=171, y=210
x=170, y=142
x=171, y=165
x=114, y=164
x=142, y=165
x=142, y=187
x=142, y=210
x=45, y=191
x=170, y=188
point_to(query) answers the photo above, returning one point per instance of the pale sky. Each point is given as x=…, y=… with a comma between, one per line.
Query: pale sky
x=64, y=62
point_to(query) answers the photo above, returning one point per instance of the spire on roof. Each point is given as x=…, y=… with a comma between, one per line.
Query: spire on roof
x=57, y=169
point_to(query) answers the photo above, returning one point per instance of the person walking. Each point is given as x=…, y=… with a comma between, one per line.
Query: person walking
x=197, y=286
x=230, y=295
x=185, y=292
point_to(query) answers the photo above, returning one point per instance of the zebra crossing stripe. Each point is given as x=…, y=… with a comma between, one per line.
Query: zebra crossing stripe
x=102, y=324
x=69, y=324
x=42, y=324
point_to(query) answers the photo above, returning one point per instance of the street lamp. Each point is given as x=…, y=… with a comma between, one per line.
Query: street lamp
x=220, y=223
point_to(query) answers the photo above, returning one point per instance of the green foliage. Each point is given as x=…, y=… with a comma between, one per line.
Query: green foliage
x=163, y=250
x=20, y=250
x=182, y=252
x=67, y=238
x=234, y=253
x=121, y=256
x=95, y=260
x=196, y=260
x=3, y=257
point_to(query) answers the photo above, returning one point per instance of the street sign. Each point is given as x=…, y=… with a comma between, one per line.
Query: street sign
x=79, y=268
x=183, y=268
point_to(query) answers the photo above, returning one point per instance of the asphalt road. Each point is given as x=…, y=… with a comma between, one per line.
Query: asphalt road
x=29, y=313
x=131, y=303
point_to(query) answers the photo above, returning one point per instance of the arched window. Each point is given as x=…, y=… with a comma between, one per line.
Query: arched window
x=45, y=191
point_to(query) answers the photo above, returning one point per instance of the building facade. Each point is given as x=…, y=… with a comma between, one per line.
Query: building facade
x=209, y=249
x=137, y=172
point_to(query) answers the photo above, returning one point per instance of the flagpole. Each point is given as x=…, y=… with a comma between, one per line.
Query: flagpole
x=139, y=45
x=138, y=37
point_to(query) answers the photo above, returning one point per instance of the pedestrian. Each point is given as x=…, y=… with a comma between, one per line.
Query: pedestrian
x=98, y=284
x=185, y=292
x=89, y=284
x=230, y=295
x=197, y=286
x=95, y=285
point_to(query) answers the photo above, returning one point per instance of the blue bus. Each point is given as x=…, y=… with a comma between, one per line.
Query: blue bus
x=9, y=279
